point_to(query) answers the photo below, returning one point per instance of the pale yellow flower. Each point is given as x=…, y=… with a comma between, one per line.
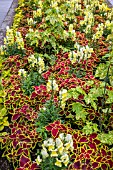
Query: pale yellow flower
x=54, y=153
x=65, y=159
x=58, y=163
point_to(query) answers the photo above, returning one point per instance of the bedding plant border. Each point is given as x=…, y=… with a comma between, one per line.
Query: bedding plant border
x=56, y=86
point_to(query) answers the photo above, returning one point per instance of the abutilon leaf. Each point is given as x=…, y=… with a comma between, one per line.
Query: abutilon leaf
x=15, y=116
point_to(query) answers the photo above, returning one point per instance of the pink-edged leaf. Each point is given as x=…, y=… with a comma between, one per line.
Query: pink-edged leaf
x=26, y=152
x=23, y=160
x=54, y=132
x=15, y=116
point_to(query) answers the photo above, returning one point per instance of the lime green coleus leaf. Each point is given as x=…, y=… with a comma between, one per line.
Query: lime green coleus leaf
x=110, y=97
x=79, y=110
x=80, y=90
x=1, y=127
x=6, y=123
x=3, y=112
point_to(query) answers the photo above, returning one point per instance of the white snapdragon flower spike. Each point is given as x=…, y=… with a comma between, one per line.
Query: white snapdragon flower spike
x=49, y=85
x=41, y=64
x=61, y=149
x=61, y=136
x=68, y=138
x=22, y=72
x=63, y=96
x=58, y=142
x=44, y=153
x=65, y=159
x=38, y=160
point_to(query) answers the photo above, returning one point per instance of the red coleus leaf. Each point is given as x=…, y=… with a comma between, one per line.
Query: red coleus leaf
x=104, y=166
x=15, y=116
x=99, y=159
x=110, y=162
x=13, y=136
x=54, y=132
x=62, y=127
x=77, y=165
x=20, y=150
x=26, y=152
x=15, y=143
x=33, y=95
x=20, y=168
x=93, y=136
x=95, y=165
x=23, y=160
x=34, y=166
x=48, y=128
x=103, y=152
x=92, y=146
x=21, y=137
x=83, y=139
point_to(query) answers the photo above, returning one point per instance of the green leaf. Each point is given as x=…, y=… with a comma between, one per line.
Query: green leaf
x=80, y=90
x=94, y=105
x=6, y=123
x=80, y=111
x=3, y=112
x=1, y=127
x=76, y=107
